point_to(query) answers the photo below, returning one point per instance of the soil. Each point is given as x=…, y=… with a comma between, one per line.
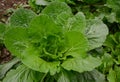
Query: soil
x=6, y=5
x=5, y=55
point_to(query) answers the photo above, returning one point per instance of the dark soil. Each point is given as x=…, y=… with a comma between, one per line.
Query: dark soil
x=5, y=5
x=5, y=55
x=9, y=4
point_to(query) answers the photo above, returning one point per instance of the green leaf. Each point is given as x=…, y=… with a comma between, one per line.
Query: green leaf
x=91, y=2
x=15, y=40
x=76, y=46
x=111, y=76
x=117, y=37
x=56, y=8
x=41, y=2
x=114, y=4
x=5, y=67
x=117, y=70
x=110, y=41
x=91, y=76
x=2, y=31
x=96, y=33
x=34, y=62
x=62, y=19
x=21, y=17
x=80, y=64
x=77, y=23
x=111, y=17
x=63, y=78
x=23, y=74
x=118, y=15
x=43, y=25
x=107, y=61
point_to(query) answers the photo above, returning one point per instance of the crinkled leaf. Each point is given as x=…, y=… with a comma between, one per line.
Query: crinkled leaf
x=80, y=64
x=21, y=17
x=77, y=23
x=23, y=74
x=76, y=46
x=15, y=40
x=34, y=62
x=62, y=19
x=96, y=33
x=56, y=8
x=44, y=25
x=5, y=67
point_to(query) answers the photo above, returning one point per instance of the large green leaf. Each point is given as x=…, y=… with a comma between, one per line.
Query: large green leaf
x=91, y=76
x=96, y=33
x=72, y=76
x=23, y=74
x=80, y=64
x=76, y=23
x=5, y=67
x=42, y=25
x=56, y=8
x=30, y=59
x=76, y=46
x=15, y=40
x=21, y=17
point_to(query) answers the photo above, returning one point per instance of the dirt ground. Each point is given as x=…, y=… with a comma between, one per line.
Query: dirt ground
x=8, y=4
x=5, y=5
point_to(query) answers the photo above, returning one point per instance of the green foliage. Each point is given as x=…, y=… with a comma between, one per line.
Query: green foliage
x=55, y=45
x=111, y=57
x=2, y=32
x=115, y=6
x=96, y=33
x=5, y=67
x=21, y=17
x=22, y=74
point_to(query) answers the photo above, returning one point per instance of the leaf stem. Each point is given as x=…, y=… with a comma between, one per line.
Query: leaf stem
x=42, y=80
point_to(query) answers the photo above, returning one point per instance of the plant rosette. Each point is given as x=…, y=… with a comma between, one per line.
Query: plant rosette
x=56, y=39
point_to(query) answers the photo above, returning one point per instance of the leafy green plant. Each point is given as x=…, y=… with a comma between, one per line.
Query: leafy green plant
x=55, y=45
x=2, y=31
x=111, y=58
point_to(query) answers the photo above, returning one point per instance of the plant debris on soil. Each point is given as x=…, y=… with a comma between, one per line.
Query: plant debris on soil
x=9, y=4
x=5, y=55
x=5, y=5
